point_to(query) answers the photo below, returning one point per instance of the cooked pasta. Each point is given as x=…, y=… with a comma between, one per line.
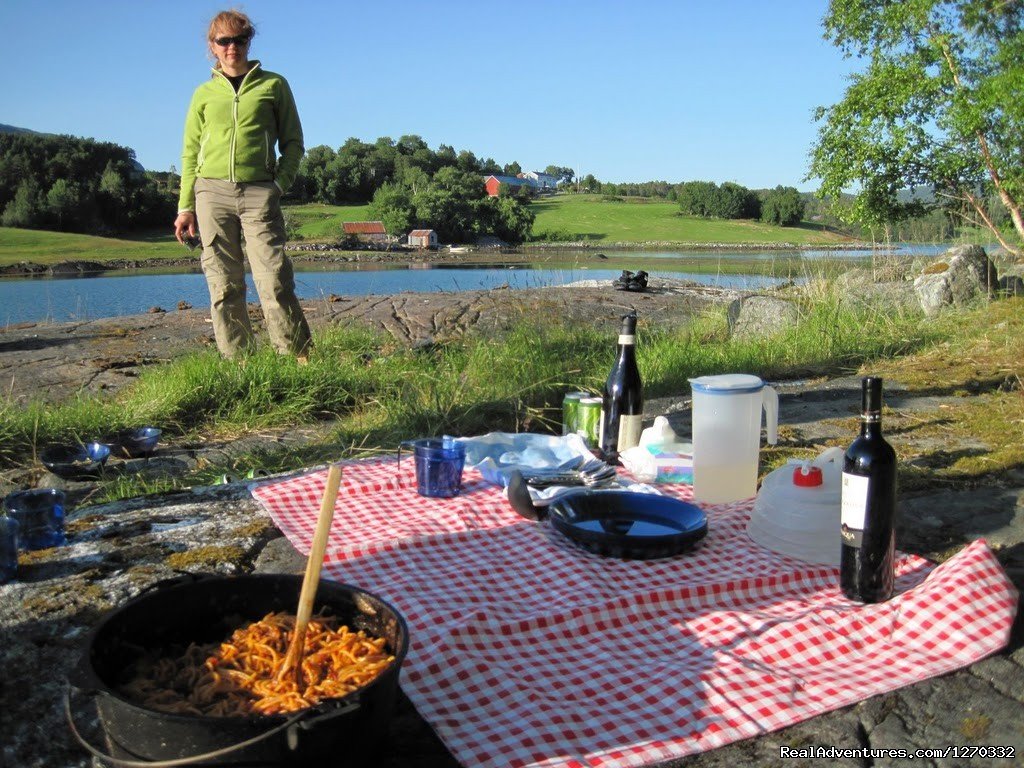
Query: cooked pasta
x=238, y=677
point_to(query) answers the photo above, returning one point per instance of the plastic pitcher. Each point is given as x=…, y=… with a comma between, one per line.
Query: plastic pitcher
x=727, y=434
x=439, y=463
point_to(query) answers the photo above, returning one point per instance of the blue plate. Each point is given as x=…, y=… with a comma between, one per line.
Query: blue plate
x=624, y=524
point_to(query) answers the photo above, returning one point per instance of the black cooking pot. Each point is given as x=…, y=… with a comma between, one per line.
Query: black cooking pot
x=343, y=731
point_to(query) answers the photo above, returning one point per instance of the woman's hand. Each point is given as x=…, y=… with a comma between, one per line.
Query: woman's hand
x=185, y=224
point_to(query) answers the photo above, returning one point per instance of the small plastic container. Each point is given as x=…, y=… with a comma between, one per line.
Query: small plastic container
x=659, y=457
x=40, y=516
x=439, y=463
x=8, y=548
x=796, y=512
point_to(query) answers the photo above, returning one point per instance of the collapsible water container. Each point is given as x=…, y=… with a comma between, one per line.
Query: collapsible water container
x=797, y=510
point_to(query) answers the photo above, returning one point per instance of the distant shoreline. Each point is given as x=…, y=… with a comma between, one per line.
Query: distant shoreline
x=318, y=253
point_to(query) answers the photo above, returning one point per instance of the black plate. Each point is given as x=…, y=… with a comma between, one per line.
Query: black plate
x=637, y=526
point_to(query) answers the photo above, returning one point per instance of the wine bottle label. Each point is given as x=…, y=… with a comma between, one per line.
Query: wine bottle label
x=624, y=339
x=630, y=428
x=853, y=508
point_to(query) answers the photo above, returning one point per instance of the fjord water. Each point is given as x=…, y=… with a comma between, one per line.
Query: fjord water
x=114, y=294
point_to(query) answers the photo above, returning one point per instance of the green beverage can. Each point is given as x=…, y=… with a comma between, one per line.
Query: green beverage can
x=588, y=421
x=570, y=411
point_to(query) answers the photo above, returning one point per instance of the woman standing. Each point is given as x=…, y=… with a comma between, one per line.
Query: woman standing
x=231, y=187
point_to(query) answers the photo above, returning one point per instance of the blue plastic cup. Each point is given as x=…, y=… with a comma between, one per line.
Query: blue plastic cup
x=40, y=516
x=8, y=548
x=439, y=463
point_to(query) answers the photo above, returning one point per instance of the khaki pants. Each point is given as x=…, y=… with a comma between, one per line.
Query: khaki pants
x=226, y=212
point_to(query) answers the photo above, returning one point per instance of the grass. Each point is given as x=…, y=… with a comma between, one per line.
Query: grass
x=981, y=352
x=43, y=247
x=320, y=222
x=595, y=219
x=374, y=393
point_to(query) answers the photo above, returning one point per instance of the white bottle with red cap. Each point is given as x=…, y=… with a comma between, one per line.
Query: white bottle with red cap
x=798, y=508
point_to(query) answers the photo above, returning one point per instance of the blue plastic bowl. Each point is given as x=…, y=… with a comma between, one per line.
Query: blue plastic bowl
x=76, y=460
x=40, y=516
x=135, y=443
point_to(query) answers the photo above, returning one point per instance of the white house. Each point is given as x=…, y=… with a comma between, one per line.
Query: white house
x=545, y=181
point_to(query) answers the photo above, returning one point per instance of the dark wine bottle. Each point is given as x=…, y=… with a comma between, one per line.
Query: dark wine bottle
x=868, y=506
x=622, y=408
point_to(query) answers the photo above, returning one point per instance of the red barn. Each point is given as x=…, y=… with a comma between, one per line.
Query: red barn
x=369, y=231
x=494, y=184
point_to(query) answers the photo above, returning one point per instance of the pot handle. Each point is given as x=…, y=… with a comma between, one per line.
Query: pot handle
x=183, y=577
x=179, y=761
x=315, y=720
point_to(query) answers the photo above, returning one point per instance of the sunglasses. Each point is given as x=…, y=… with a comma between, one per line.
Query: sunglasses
x=239, y=40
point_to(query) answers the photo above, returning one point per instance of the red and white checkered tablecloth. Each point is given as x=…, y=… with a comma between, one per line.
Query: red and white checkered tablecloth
x=527, y=651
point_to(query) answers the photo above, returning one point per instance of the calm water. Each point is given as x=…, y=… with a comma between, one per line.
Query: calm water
x=109, y=295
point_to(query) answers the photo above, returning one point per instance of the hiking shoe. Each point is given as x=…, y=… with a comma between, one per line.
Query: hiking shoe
x=636, y=283
x=621, y=283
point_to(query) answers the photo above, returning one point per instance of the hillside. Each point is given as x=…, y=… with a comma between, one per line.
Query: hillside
x=13, y=129
x=596, y=219
x=593, y=219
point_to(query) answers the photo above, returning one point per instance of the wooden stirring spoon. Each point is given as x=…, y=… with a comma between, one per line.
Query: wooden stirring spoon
x=315, y=561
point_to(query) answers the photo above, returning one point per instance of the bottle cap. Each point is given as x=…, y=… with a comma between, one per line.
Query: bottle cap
x=807, y=476
x=629, y=323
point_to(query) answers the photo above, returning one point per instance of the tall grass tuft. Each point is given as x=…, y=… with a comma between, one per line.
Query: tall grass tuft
x=378, y=392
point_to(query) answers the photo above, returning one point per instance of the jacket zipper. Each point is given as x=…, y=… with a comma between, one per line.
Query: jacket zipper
x=234, y=134
x=234, y=123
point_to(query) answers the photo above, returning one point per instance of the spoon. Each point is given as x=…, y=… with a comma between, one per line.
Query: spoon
x=315, y=561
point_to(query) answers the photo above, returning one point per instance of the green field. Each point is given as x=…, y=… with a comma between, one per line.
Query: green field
x=563, y=218
x=638, y=220
x=42, y=247
x=319, y=222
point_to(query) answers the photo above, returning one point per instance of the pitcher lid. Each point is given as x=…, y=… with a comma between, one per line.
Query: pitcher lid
x=728, y=383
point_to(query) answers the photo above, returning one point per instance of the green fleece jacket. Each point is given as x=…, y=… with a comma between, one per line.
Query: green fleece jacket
x=232, y=136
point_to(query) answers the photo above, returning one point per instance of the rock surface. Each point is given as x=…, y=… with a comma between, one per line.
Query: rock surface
x=753, y=317
x=960, y=276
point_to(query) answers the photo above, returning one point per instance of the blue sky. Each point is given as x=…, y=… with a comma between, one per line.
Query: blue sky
x=628, y=91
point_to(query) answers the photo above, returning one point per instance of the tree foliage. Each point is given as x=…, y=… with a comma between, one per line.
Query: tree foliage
x=392, y=206
x=940, y=103
x=782, y=206
x=707, y=199
x=357, y=170
x=77, y=185
x=455, y=204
